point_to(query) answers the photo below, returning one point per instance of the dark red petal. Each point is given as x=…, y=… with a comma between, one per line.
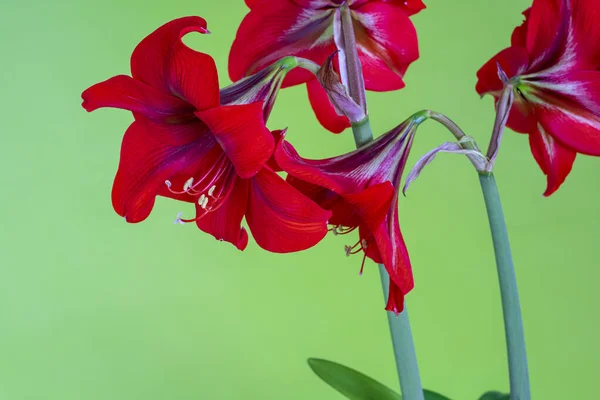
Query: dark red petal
x=554, y=159
x=273, y=30
x=124, y=92
x=383, y=55
x=225, y=222
x=162, y=60
x=241, y=132
x=513, y=60
x=282, y=219
x=146, y=164
x=323, y=108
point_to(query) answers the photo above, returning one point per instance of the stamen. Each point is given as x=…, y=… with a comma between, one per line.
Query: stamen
x=178, y=220
x=362, y=266
x=188, y=184
x=348, y=250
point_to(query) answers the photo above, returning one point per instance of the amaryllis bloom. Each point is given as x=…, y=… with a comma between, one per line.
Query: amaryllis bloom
x=361, y=190
x=385, y=36
x=553, y=64
x=185, y=144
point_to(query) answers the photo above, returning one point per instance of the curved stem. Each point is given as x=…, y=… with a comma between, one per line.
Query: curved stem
x=511, y=308
x=402, y=340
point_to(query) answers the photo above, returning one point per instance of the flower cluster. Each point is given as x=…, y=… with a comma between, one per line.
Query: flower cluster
x=553, y=65
x=195, y=142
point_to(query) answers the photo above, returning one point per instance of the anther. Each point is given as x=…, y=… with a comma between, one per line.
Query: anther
x=178, y=219
x=348, y=250
x=188, y=184
x=211, y=190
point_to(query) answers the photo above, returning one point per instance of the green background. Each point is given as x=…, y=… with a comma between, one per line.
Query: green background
x=94, y=308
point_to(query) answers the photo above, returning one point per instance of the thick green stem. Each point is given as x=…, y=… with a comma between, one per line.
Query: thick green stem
x=402, y=340
x=511, y=308
x=404, y=347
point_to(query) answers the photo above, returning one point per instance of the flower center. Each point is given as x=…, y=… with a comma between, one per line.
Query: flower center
x=210, y=191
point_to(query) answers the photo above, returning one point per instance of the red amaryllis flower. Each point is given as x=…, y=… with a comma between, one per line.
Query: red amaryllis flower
x=554, y=66
x=386, y=39
x=185, y=145
x=361, y=190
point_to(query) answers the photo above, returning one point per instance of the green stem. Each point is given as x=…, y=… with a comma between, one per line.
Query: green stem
x=402, y=340
x=511, y=308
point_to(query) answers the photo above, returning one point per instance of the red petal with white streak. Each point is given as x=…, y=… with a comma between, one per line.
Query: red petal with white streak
x=570, y=111
x=545, y=29
x=513, y=60
x=384, y=56
x=282, y=219
x=554, y=159
x=273, y=30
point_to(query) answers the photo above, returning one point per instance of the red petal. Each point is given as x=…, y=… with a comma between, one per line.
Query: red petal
x=522, y=117
x=323, y=108
x=554, y=159
x=281, y=219
x=241, y=132
x=411, y=7
x=146, y=164
x=392, y=249
x=395, y=301
x=225, y=222
x=384, y=57
x=571, y=112
x=519, y=35
x=586, y=17
x=543, y=27
x=513, y=60
x=162, y=60
x=273, y=30
x=124, y=92
x=372, y=204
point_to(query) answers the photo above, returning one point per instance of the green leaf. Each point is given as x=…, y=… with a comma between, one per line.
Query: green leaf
x=429, y=395
x=495, y=396
x=351, y=383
